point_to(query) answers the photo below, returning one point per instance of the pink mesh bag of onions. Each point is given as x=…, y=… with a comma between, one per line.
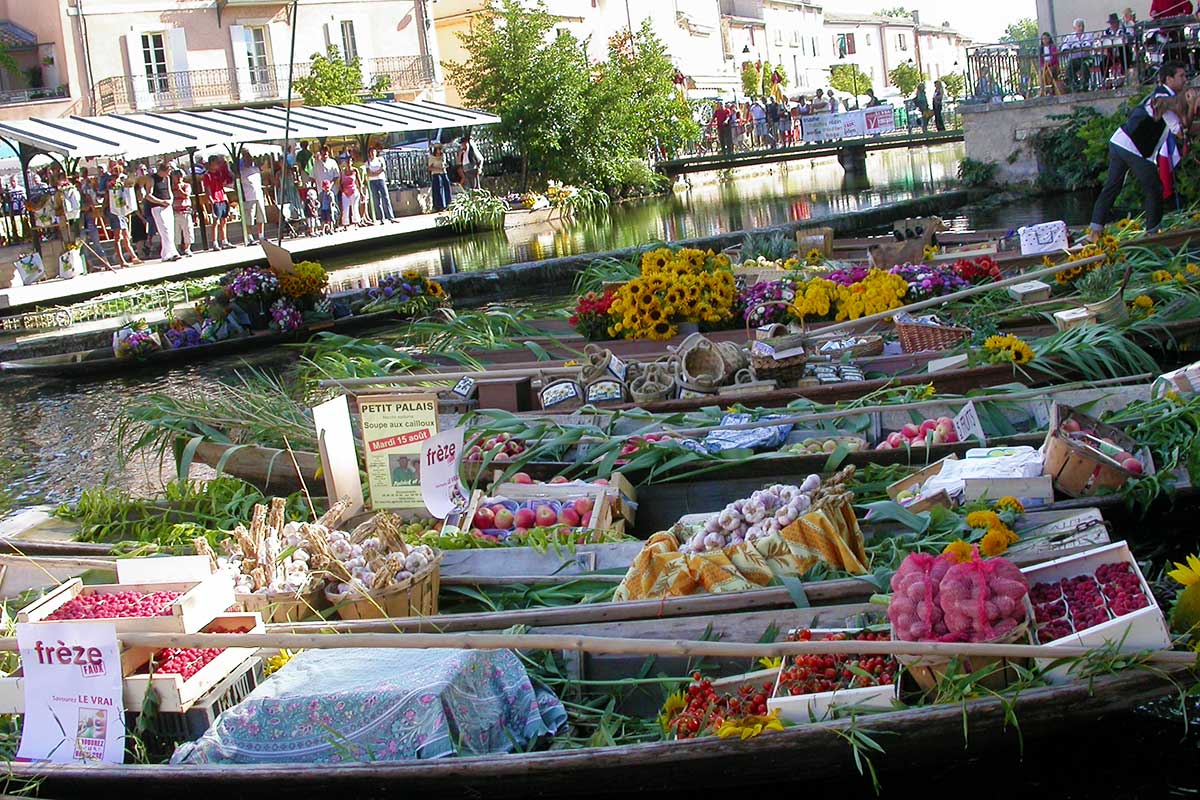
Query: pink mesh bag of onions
x=914, y=610
x=983, y=599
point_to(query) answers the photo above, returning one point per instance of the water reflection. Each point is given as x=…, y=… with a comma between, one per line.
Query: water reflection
x=706, y=204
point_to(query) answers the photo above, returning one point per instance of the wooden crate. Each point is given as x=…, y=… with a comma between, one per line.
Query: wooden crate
x=601, y=518
x=915, y=480
x=415, y=597
x=285, y=606
x=619, y=489
x=199, y=603
x=1081, y=471
x=176, y=694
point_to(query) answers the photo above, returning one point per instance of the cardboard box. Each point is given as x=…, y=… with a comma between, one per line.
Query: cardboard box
x=600, y=519
x=915, y=480
x=1142, y=629
x=1029, y=292
x=1073, y=318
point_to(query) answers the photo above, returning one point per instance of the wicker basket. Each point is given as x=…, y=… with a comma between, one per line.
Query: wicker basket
x=415, y=597
x=928, y=671
x=285, y=606
x=769, y=368
x=915, y=338
x=703, y=365
x=873, y=346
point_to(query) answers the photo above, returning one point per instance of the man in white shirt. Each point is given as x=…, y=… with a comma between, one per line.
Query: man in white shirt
x=253, y=208
x=324, y=168
x=381, y=201
x=1078, y=47
x=758, y=115
x=1135, y=147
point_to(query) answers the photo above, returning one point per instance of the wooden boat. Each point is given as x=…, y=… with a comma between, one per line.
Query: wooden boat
x=100, y=362
x=522, y=217
x=911, y=737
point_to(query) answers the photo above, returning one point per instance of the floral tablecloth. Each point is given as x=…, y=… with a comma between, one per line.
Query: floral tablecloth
x=331, y=706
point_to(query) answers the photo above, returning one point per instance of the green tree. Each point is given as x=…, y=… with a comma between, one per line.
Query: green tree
x=953, y=82
x=752, y=80
x=898, y=12
x=1021, y=31
x=905, y=77
x=331, y=80
x=849, y=78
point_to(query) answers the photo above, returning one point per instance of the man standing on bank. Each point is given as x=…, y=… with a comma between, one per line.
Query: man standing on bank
x=1134, y=148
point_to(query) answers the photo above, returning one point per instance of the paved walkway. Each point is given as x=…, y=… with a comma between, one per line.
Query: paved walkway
x=58, y=292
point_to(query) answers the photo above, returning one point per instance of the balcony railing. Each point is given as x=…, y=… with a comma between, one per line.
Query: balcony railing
x=1097, y=61
x=217, y=87
x=17, y=96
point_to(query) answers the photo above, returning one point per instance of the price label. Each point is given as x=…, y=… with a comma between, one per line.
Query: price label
x=464, y=388
x=967, y=425
x=441, y=488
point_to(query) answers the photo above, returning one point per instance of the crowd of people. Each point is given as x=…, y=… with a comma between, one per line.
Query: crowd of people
x=127, y=212
x=769, y=123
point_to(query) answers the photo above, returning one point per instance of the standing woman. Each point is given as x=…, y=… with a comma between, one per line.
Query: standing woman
x=921, y=101
x=350, y=195
x=122, y=203
x=438, y=181
x=181, y=204
x=938, y=122
x=1048, y=59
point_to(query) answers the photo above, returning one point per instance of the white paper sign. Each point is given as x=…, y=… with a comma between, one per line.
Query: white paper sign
x=339, y=457
x=165, y=569
x=967, y=425
x=441, y=488
x=73, y=709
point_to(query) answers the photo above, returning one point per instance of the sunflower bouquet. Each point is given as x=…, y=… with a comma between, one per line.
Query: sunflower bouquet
x=305, y=285
x=410, y=291
x=675, y=286
x=1007, y=349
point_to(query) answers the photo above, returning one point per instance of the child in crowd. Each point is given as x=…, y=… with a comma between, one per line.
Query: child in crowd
x=327, y=202
x=312, y=208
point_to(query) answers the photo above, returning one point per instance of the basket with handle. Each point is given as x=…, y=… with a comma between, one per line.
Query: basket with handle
x=769, y=368
x=928, y=671
x=869, y=345
x=703, y=364
x=915, y=337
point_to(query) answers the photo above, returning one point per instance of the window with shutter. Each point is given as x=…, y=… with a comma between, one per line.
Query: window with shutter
x=154, y=56
x=850, y=44
x=256, y=53
x=349, y=42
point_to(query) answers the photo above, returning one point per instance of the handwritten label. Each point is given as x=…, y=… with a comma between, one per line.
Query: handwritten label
x=967, y=425
x=441, y=488
x=464, y=388
x=72, y=683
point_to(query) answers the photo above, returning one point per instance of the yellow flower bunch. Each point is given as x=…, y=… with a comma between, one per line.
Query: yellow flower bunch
x=814, y=257
x=983, y=520
x=308, y=278
x=435, y=290
x=1161, y=276
x=815, y=298
x=997, y=540
x=958, y=550
x=929, y=252
x=751, y=725
x=878, y=292
x=1108, y=246
x=1128, y=224
x=1009, y=503
x=1143, y=302
x=1008, y=348
x=1193, y=269
x=791, y=264
x=675, y=285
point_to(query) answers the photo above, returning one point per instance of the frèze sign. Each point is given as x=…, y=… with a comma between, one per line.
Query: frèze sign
x=72, y=684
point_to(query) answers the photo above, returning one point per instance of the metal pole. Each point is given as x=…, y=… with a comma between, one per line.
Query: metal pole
x=26, y=154
x=287, y=123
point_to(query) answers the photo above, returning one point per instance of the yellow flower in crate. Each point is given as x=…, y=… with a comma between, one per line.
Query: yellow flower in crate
x=751, y=725
x=1010, y=503
x=983, y=520
x=930, y=251
x=959, y=550
x=274, y=663
x=1144, y=302
x=1160, y=276
x=994, y=543
x=814, y=257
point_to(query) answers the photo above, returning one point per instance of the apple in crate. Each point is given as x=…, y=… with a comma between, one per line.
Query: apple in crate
x=504, y=519
x=559, y=479
x=523, y=478
x=583, y=507
x=546, y=516
x=568, y=517
x=485, y=518
x=525, y=518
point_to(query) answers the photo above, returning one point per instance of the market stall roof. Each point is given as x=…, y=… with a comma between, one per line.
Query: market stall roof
x=144, y=134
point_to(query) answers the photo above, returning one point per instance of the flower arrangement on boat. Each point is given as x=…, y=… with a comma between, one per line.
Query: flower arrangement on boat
x=305, y=285
x=251, y=283
x=675, y=286
x=925, y=282
x=410, y=291
x=137, y=340
x=285, y=317
x=1007, y=349
x=590, y=317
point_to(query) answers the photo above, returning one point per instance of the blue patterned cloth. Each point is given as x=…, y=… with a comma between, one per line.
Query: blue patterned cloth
x=364, y=705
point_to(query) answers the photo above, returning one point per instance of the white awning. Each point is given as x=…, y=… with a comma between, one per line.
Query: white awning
x=146, y=134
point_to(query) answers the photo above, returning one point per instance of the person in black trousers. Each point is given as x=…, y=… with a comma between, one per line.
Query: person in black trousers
x=1134, y=148
x=938, y=99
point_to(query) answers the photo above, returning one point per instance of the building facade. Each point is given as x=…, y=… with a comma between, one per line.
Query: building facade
x=786, y=33
x=878, y=44
x=152, y=55
x=1057, y=17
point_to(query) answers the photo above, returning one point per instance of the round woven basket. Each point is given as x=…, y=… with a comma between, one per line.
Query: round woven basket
x=703, y=365
x=769, y=368
x=915, y=338
x=928, y=671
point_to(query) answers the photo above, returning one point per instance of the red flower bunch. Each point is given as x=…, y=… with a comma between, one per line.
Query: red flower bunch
x=982, y=270
x=591, y=314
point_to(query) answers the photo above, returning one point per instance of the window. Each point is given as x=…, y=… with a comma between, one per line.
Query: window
x=850, y=44
x=349, y=43
x=803, y=46
x=900, y=41
x=256, y=54
x=154, y=55
x=778, y=36
x=868, y=40
x=844, y=44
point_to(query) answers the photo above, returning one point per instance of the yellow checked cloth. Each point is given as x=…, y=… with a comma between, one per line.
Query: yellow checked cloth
x=829, y=534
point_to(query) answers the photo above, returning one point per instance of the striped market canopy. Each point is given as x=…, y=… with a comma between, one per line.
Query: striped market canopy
x=146, y=134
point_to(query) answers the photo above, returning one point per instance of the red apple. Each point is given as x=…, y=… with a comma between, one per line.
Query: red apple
x=583, y=507
x=504, y=519
x=512, y=447
x=895, y=439
x=1123, y=456
x=569, y=517
x=522, y=477
x=525, y=518
x=559, y=479
x=910, y=431
x=502, y=456
x=945, y=421
x=1132, y=466
x=484, y=518
x=926, y=426
x=478, y=534
x=600, y=482
x=545, y=516
x=884, y=446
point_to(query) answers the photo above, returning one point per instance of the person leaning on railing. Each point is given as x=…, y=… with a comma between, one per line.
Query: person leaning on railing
x=1078, y=47
x=1048, y=61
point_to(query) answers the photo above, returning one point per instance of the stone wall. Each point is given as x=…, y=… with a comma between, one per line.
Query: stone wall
x=1003, y=133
